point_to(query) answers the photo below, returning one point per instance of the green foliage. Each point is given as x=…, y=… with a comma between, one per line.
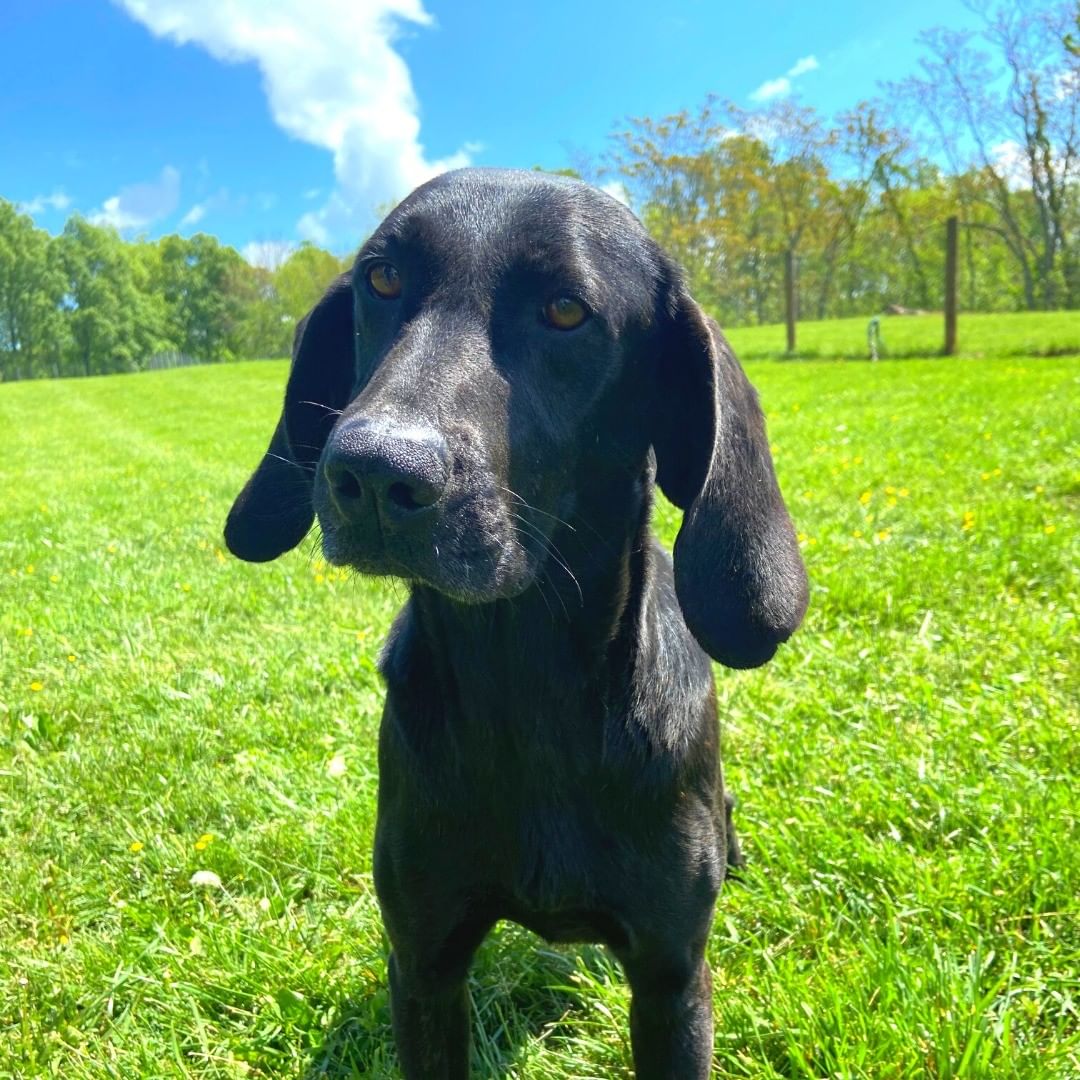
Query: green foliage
x=31, y=287
x=90, y=303
x=301, y=280
x=906, y=767
x=988, y=132
x=112, y=317
x=197, y=279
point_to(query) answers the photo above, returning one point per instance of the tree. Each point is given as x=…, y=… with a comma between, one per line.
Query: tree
x=198, y=278
x=264, y=328
x=112, y=320
x=31, y=285
x=303, y=278
x=1011, y=114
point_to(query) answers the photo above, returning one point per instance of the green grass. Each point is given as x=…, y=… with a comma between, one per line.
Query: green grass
x=907, y=767
x=1024, y=334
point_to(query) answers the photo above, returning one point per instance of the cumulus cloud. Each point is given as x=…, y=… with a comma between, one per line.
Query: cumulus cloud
x=58, y=200
x=332, y=78
x=780, y=87
x=139, y=205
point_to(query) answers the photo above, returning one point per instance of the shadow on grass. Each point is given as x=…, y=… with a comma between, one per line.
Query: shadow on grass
x=521, y=989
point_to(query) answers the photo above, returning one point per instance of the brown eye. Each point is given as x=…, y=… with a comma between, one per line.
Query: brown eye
x=385, y=281
x=565, y=313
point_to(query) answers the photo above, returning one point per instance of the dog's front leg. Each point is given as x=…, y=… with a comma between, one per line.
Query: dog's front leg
x=671, y=1020
x=430, y=1011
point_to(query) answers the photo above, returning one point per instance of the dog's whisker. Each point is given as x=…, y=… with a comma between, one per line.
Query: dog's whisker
x=536, y=509
x=290, y=461
x=543, y=576
x=553, y=552
x=320, y=405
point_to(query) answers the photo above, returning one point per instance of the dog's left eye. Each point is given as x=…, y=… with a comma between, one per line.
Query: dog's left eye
x=385, y=281
x=565, y=313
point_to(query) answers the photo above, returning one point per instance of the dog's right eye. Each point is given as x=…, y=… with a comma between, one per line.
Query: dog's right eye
x=565, y=313
x=384, y=281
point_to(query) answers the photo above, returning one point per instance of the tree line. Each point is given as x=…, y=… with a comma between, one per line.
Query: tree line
x=769, y=209
x=855, y=205
x=87, y=302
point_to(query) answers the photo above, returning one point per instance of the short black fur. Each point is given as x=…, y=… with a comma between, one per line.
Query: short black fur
x=549, y=745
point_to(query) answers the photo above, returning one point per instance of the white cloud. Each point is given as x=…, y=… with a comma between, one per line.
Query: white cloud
x=139, y=205
x=220, y=200
x=772, y=88
x=58, y=200
x=1066, y=84
x=801, y=67
x=332, y=78
x=268, y=254
x=194, y=215
x=617, y=190
x=781, y=87
x=1011, y=162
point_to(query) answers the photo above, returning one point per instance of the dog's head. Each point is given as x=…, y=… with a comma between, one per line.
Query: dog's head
x=506, y=345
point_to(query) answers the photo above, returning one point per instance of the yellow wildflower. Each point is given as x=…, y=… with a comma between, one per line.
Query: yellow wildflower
x=135, y=846
x=865, y=497
x=1048, y=529
x=36, y=686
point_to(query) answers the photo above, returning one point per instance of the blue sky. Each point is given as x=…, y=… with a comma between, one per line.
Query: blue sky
x=266, y=122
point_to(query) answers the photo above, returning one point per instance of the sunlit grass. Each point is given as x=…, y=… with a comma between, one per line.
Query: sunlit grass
x=187, y=754
x=1023, y=334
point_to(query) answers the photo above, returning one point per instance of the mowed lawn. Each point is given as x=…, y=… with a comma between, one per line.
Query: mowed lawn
x=1019, y=334
x=187, y=753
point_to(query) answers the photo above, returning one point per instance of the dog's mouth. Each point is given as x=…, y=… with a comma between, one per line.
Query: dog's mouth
x=471, y=552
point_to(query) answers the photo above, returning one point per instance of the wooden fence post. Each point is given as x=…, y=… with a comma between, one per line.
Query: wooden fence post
x=950, y=285
x=789, y=298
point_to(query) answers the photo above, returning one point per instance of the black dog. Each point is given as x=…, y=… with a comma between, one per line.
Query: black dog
x=480, y=408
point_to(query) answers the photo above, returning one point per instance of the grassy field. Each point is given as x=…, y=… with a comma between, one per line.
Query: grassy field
x=187, y=753
x=1024, y=334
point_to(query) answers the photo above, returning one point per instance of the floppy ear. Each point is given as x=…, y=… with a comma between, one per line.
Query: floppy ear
x=273, y=513
x=738, y=572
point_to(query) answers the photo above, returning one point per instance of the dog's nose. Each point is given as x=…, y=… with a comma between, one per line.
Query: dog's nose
x=405, y=470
